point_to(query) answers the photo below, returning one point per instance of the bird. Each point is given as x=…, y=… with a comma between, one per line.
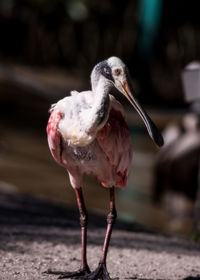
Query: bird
x=88, y=134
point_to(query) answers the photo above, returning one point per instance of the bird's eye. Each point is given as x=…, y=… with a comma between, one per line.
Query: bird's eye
x=117, y=71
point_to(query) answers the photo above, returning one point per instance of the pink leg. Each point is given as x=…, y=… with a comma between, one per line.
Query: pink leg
x=84, y=270
x=101, y=270
x=83, y=223
x=110, y=223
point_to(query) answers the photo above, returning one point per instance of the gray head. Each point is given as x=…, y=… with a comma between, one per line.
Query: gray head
x=116, y=74
x=109, y=68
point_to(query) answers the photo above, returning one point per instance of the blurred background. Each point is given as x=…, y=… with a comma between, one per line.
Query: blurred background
x=48, y=48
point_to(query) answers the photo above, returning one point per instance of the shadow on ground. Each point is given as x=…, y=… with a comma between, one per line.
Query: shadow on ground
x=26, y=218
x=187, y=278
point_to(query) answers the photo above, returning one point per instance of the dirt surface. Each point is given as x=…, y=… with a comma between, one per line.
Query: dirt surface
x=37, y=235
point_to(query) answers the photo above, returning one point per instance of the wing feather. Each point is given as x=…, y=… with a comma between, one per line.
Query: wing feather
x=54, y=136
x=114, y=140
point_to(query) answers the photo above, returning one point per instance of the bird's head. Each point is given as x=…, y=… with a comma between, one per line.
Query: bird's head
x=116, y=73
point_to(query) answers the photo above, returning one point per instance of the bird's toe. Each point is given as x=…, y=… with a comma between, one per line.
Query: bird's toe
x=73, y=274
x=99, y=273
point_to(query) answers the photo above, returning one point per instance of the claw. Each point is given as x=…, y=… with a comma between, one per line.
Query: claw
x=81, y=272
x=100, y=272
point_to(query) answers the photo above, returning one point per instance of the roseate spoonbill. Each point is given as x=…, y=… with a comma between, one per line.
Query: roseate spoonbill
x=87, y=133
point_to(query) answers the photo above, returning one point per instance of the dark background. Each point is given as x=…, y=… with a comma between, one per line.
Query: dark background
x=49, y=47
x=156, y=39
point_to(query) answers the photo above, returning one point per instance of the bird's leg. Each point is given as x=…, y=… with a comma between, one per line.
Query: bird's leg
x=83, y=223
x=110, y=223
x=84, y=270
x=101, y=271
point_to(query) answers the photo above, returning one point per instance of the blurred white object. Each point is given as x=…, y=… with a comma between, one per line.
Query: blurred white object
x=191, y=81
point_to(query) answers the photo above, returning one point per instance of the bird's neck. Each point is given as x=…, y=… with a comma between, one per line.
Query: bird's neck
x=100, y=109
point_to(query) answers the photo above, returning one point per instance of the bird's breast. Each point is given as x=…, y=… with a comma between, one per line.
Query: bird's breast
x=74, y=134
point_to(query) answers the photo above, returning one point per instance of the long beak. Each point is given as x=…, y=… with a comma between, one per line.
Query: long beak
x=153, y=131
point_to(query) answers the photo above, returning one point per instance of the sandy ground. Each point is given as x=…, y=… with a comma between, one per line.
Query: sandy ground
x=37, y=235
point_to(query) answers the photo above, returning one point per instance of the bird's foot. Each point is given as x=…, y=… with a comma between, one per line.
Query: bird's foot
x=99, y=273
x=74, y=274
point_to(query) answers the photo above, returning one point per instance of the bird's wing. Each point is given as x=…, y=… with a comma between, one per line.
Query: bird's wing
x=54, y=136
x=114, y=140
